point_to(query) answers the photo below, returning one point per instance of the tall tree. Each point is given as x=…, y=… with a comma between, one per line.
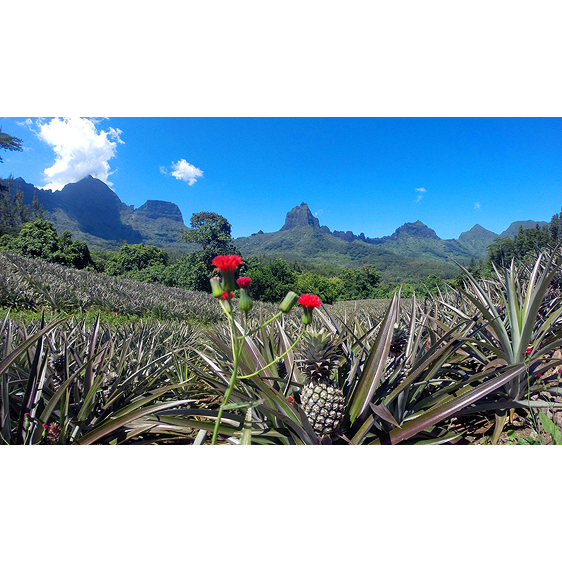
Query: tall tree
x=212, y=231
x=8, y=142
x=555, y=227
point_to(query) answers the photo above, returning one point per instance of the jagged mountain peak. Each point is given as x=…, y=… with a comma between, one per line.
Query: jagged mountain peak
x=300, y=216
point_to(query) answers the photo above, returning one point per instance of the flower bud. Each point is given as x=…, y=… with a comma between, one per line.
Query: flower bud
x=307, y=316
x=216, y=287
x=289, y=301
x=225, y=301
x=245, y=303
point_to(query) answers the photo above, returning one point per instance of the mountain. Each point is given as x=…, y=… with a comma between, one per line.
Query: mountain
x=313, y=245
x=301, y=238
x=416, y=240
x=513, y=228
x=93, y=213
x=416, y=229
x=477, y=239
x=300, y=216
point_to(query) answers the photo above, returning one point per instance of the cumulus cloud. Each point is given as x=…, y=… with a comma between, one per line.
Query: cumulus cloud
x=80, y=150
x=477, y=205
x=183, y=170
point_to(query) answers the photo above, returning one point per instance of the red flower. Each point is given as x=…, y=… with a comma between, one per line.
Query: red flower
x=225, y=295
x=243, y=282
x=529, y=350
x=310, y=301
x=539, y=375
x=227, y=263
x=290, y=399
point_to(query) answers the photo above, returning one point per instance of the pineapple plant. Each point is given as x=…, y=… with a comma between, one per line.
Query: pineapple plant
x=399, y=341
x=321, y=398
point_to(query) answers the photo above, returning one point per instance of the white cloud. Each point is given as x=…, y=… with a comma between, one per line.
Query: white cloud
x=477, y=205
x=318, y=213
x=183, y=170
x=421, y=191
x=79, y=150
x=27, y=123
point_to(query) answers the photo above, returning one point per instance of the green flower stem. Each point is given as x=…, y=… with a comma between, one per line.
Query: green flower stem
x=236, y=349
x=237, y=344
x=276, y=359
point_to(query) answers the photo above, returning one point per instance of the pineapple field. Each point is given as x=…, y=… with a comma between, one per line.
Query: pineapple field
x=93, y=359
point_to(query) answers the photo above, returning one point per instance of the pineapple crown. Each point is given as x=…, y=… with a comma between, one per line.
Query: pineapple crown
x=318, y=356
x=399, y=341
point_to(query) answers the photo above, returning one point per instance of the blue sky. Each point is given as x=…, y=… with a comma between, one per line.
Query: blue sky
x=361, y=174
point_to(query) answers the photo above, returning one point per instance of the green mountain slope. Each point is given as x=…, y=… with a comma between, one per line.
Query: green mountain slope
x=513, y=228
x=93, y=213
x=313, y=245
x=477, y=239
x=416, y=240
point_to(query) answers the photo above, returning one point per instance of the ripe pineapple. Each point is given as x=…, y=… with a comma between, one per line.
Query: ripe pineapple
x=321, y=399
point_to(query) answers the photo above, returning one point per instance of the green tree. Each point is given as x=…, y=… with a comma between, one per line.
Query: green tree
x=37, y=239
x=360, y=283
x=135, y=257
x=190, y=272
x=37, y=211
x=272, y=281
x=501, y=251
x=327, y=288
x=212, y=231
x=74, y=253
x=8, y=142
x=430, y=286
x=526, y=245
x=153, y=274
x=13, y=213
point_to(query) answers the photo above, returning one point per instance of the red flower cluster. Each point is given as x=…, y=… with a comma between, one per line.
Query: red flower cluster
x=290, y=399
x=227, y=263
x=309, y=301
x=225, y=295
x=529, y=350
x=243, y=282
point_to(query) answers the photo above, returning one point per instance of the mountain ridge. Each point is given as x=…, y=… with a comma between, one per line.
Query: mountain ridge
x=94, y=213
